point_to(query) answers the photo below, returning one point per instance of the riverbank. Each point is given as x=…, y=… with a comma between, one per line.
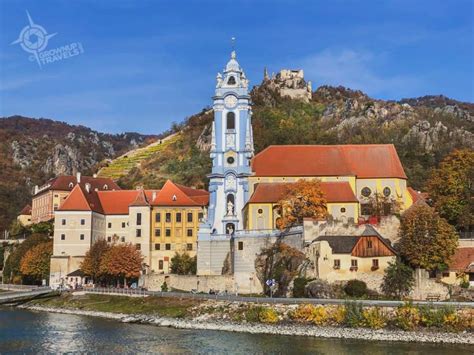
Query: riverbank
x=211, y=315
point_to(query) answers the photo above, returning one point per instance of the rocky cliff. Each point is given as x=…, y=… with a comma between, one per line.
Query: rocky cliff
x=34, y=150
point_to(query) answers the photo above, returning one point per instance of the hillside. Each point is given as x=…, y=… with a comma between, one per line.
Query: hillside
x=34, y=150
x=423, y=130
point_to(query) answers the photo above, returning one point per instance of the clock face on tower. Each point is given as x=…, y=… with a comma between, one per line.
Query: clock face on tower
x=230, y=100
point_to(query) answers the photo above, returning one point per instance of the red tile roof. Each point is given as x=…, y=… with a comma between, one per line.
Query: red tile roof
x=172, y=194
x=417, y=195
x=118, y=202
x=462, y=259
x=362, y=161
x=67, y=183
x=26, y=210
x=273, y=192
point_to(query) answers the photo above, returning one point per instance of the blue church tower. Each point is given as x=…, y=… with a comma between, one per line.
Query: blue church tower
x=231, y=151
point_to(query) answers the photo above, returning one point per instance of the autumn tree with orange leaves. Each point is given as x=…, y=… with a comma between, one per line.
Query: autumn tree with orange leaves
x=35, y=263
x=302, y=199
x=121, y=262
x=90, y=266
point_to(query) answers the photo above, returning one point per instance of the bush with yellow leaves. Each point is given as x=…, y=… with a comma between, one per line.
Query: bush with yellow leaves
x=374, y=318
x=268, y=315
x=309, y=313
x=407, y=317
x=337, y=315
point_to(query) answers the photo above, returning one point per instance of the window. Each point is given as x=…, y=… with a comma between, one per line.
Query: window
x=178, y=217
x=138, y=246
x=231, y=81
x=189, y=232
x=123, y=224
x=168, y=218
x=375, y=264
x=445, y=273
x=81, y=237
x=230, y=120
x=260, y=211
x=343, y=210
x=168, y=246
x=158, y=217
x=56, y=195
x=139, y=233
x=105, y=187
x=230, y=160
x=122, y=239
x=63, y=222
x=337, y=264
x=63, y=236
x=109, y=239
x=190, y=217
x=387, y=191
x=157, y=246
x=200, y=216
x=168, y=232
x=354, y=265
x=55, y=206
x=387, y=209
x=174, y=198
x=83, y=221
x=369, y=244
x=139, y=219
x=109, y=225
x=366, y=192
x=189, y=246
x=366, y=209
x=160, y=265
x=157, y=232
x=241, y=245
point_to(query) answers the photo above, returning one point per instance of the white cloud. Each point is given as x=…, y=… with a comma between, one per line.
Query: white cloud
x=356, y=70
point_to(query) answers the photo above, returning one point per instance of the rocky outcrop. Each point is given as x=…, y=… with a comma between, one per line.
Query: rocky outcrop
x=319, y=289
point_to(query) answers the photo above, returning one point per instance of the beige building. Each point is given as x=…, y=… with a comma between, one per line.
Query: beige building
x=48, y=197
x=25, y=216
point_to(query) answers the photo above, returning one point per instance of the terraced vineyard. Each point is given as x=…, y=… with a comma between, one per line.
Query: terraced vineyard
x=122, y=165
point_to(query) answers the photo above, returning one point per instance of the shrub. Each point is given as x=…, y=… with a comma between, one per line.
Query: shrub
x=374, y=318
x=253, y=314
x=268, y=315
x=464, y=283
x=309, y=313
x=398, y=280
x=354, y=314
x=337, y=315
x=356, y=288
x=407, y=317
x=164, y=287
x=299, y=285
x=431, y=317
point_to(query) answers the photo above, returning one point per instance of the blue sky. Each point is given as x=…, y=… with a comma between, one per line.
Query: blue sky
x=148, y=63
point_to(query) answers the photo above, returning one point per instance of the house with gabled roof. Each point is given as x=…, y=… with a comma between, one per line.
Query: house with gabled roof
x=158, y=222
x=364, y=257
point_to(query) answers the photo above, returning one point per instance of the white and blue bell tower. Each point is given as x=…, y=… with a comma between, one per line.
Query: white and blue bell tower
x=231, y=151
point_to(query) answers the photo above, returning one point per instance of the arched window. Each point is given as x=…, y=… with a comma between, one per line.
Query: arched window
x=230, y=198
x=230, y=120
x=231, y=81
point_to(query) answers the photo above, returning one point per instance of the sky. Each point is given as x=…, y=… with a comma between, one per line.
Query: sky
x=141, y=65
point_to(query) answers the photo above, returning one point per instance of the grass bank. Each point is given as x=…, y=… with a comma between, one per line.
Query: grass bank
x=163, y=307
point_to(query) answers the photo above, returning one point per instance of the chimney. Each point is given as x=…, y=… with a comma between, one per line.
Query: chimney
x=36, y=189
x=94, y=176
x=88, y=187
x=78, y=177
x=153, y=196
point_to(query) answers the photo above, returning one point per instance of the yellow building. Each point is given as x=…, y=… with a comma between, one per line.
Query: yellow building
x=175, y=214
x=365, y=169
x=260, y=212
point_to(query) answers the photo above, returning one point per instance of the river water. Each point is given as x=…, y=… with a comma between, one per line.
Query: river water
x=23, y=331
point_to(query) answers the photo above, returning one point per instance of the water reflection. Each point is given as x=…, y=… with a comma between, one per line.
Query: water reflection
x=33, y=332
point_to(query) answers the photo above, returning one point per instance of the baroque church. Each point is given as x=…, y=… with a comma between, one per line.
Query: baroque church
x=244, y=188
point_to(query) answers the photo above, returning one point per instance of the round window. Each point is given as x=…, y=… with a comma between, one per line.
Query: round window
x=366, y=192
x=260, y=211
x=343, y=210
x=230, y=160
x=387, y=191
